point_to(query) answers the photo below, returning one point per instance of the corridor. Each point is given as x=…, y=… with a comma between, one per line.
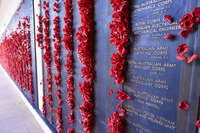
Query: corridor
x=15, y=117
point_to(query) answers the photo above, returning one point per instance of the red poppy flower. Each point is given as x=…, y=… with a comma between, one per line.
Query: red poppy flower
x=196, y=16
x=198, y=123
x=183, y=105
x=187, y=21
x=182, y=49
x=196, y=12
x=169, y=36
x=168, y=18
x=122, y=109
x=110, y=92
x=194, y=57
x=184, y=32
x=122, y=96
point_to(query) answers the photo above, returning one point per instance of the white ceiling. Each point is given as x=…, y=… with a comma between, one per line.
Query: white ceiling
x=7, y=9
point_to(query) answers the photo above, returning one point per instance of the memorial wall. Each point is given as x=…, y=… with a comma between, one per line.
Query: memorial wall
x=117, y=66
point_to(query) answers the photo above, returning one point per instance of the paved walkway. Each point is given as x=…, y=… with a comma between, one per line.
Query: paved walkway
x=14, y=115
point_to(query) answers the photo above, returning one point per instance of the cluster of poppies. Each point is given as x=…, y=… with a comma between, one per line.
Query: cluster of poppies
x=70, y=99
x=56, y=57
x=184, y=52
x=187, y=22
x=116, y=123
x=122, y=96
x=47, y=55
x=57, y=44
x=58, y=112
x=68, y=35
x=39, y=36
x=44, y=112
x=120, y=32
x=85, y=36
x=26, y=27
x=69, y=46
x=112, y=124
x=15, y=52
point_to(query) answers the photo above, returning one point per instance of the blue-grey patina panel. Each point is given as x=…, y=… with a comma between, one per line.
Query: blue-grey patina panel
x=153, y=75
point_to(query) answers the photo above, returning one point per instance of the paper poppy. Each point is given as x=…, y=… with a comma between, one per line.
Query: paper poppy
x=184, y=33
x=196, y=14
x=183, y=105
x=182, y=49
x=168, y=18
x=194, y=57
x=198, y=123
x=110, y=91
x=122, y=96
x=169, y=36
x=187, y=21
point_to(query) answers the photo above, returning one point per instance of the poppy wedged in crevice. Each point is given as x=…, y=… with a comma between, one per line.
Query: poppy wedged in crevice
x=183, y=105
x=192, y=58
x=198, y=123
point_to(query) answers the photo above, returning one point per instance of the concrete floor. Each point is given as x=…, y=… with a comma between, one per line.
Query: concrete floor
x=15, y=117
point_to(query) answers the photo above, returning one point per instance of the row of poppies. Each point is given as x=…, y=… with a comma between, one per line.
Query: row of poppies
x=119, y=37
x=15, y=51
